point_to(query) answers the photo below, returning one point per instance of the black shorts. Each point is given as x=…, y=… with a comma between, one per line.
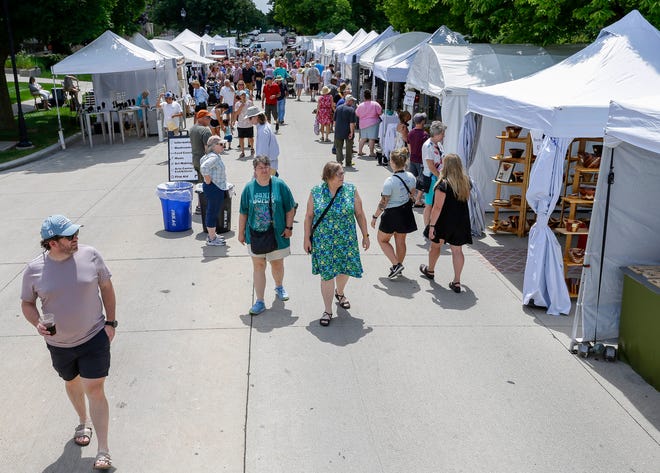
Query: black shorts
x=399, y=219
x=313, y=86
x=90, y=360
x=245, y=132
x=201, y=106
x=214, y=123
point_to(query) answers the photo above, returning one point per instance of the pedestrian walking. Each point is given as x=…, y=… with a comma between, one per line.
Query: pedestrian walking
x=214, y=187
x=396, y=211
x=432, y=159
x=450, y=219
x=416, y=138
x=265, y=223
x=74, y=286
x=324, y=113
x=368, y=112
x=266, y=141
x=243, y=126
x=345, y=130
x=333, y=207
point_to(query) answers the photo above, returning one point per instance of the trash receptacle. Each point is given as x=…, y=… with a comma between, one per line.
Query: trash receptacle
x=176, y=201
x=224, y=214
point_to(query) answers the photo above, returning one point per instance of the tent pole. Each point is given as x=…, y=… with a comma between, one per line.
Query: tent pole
x=610, y=181
x=60, y=131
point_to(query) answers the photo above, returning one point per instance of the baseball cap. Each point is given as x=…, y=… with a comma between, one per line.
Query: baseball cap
x=349, y=97
x=203, y=113
x=419, y=118
x=169, y=95
x=58, y=225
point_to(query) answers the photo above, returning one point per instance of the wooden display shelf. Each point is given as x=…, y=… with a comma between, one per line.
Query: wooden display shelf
x=513, y=183
x=508, y=159
x=563, y=231
x=520, y=139
x=576, y=200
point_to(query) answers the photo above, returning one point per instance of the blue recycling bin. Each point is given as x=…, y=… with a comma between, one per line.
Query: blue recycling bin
x=176, y=202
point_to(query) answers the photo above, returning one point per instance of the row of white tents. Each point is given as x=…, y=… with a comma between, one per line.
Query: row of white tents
x=498, y=85
x=557, y=95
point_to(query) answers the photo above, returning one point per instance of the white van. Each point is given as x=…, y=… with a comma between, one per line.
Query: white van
x=267, y=46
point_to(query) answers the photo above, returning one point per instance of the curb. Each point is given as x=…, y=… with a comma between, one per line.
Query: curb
x=42, y=153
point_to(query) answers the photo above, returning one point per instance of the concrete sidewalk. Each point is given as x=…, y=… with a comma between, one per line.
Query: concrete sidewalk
x=413, y=378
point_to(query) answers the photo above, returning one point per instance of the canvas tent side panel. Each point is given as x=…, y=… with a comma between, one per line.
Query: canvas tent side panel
x=632, y=144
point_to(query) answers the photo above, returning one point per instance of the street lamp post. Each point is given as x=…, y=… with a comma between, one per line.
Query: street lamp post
x=183, y=16
x=23, y=141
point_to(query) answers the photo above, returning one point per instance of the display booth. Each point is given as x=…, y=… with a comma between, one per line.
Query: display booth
x=625, y=223
x=568, y=100
x=351, y=60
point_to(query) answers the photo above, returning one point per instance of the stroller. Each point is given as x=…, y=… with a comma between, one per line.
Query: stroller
x=291, y=87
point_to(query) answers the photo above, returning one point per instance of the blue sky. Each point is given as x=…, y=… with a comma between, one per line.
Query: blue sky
x=262, y=5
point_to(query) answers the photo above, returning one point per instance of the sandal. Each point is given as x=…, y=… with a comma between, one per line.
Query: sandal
x=102, y=461
x=325, y=319
x=82, y=432
x=343, y=302
x=425, y=271
x=455, y=286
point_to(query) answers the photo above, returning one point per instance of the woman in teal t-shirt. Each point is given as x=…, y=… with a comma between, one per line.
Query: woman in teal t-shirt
x=255, y=214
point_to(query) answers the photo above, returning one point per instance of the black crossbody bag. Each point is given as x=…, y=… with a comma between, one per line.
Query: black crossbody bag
x=265, y=242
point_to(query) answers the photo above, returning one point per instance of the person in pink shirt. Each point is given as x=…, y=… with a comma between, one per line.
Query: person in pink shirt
x=369, y=113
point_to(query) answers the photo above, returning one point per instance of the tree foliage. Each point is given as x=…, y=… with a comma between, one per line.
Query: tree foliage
x=61, y=24
x=312, y=16
x=207, y=16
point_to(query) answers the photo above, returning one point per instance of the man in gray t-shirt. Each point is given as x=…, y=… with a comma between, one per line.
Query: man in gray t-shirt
x=73, y=285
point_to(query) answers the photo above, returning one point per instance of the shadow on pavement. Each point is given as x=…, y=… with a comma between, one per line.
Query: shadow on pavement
x=343, y=330
x=72, y=461
x=399, y=287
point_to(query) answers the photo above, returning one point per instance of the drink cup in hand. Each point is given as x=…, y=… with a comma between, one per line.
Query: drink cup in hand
x=48, y=321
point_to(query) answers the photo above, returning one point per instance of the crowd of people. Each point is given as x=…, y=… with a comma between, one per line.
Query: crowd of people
x=335, y=225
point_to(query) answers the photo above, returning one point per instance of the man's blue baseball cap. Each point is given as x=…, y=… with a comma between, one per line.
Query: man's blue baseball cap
x=58, y=225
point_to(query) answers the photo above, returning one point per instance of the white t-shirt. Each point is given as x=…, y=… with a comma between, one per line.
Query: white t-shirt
x=170, y=109
x=396, y=190
x=228, y=95
x=433, y=152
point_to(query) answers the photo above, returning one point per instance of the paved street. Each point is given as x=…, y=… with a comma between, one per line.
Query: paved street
x=412, y=379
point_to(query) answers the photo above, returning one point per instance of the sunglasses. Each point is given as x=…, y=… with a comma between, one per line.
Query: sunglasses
x=71, y=237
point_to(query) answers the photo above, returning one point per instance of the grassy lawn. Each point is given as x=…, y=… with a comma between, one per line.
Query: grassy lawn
x=42, y=130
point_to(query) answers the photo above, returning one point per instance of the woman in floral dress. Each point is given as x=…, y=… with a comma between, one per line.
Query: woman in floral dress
x=324, y=113
x=334, y=243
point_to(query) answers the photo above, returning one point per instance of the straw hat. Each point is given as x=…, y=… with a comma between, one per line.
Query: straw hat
x=325, y=90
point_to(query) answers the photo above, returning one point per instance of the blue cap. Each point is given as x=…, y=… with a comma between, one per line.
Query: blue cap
x=58, y=225
x=169, y=95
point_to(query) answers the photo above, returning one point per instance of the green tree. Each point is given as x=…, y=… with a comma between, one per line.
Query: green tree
x=61, y=24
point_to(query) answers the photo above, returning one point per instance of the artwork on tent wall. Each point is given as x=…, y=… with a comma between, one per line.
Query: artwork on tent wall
x=504, y=172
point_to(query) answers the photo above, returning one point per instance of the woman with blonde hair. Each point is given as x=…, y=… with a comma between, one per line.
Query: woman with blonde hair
x=396, y=209
x=450, y=219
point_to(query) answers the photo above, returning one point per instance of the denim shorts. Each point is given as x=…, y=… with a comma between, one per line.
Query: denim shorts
x=91, y=360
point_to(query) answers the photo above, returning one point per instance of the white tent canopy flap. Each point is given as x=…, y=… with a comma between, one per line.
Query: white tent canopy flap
x=568, y=100
x=632, y=148
x=108, y=53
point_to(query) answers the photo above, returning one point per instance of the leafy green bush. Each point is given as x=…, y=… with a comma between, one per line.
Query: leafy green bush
x=23, y=61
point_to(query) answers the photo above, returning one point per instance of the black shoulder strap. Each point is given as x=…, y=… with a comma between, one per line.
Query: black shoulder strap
x=402, y=182
x=325, y=211
x=270, y=200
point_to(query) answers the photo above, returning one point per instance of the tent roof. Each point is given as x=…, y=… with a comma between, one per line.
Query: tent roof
x=187, y=36
x=437, y=68
x=396, y=68
x=572, y=98
x=184, y=51
x=391, y=47
x=371, y=39
x=108, y=53
x=636, y=122
x=144, y=43
x=166, y=47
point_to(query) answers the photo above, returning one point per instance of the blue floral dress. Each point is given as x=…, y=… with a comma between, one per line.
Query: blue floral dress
x=335, y=245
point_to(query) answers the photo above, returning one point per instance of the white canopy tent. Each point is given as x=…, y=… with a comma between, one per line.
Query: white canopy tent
x=336, y=55
x=391, y=47
x=117, y=66
x=351, y=57
x=396, y=69
x=172, y=63
x=448, y=72
x=192, y=41
x=330, y=45
x=188, y=54
x=631, y=221
x=570, y=99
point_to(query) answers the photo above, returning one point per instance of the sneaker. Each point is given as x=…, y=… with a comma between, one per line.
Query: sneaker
x=281, y=293
x=395, y=271
x=198, y=210
x=257, y=308
x=277, y=127
x=217, y=241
